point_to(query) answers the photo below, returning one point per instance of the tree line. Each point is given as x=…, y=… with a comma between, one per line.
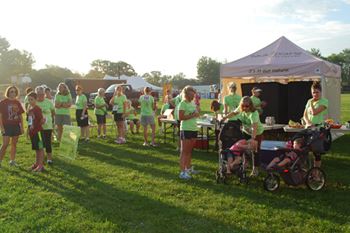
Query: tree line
x=14, y=62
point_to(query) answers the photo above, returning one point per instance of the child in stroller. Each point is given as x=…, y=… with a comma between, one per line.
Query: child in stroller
x=288, y=157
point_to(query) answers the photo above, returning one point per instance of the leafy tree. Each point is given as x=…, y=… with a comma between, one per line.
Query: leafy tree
x=51, y=76
x=94, y=74
x=156, y=78
x=179, y=81
x=115, y=69
x=208, y=71
x=4, y=45
x=316, y=52
x=342, y=59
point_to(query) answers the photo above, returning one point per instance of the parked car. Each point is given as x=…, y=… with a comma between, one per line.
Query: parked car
x=130, y=93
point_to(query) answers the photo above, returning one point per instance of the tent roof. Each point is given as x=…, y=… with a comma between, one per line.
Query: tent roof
x=282, y=59
x=135, y=81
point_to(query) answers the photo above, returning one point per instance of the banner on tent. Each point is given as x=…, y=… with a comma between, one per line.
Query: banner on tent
x=69, y=142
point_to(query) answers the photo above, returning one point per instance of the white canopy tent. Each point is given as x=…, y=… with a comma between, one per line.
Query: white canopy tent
x=135, y=81
x=285, y=62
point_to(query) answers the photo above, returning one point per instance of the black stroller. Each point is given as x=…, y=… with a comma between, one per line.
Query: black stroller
x=300, y=170
x=230, y=133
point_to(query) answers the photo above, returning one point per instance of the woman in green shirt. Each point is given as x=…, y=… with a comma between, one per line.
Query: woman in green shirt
x=147, y=115
x=100, y=112
x=118, y=101
x=63, y=102
x=252, y=127
x=188, y=113
x=231, y=101
x=315, y=112
x=81, y=113
x=48, y=111
x=258, y=104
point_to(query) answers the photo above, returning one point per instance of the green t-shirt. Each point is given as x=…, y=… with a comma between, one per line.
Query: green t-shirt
x=131, y=112
x=46, y=107
x=177, y=101
x=321, y=117
x=63, y=99
x=232, y=101
x=119, y=103
x=256, y=103
x=248, y=119
x=146, y=102
x=80, y=101
x=164, y=108
x=189, y=108
x=100, y=101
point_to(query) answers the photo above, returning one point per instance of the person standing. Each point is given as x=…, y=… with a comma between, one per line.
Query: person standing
x=63, y=102
x=48, y=111
x=258, y=104
x=81, y=113
x=231, y=101
x=315, y=113
x=118, y=101
x=147, y=115
x=100, y=112
x=11, y=123
x=35, y=122
x=188, y=113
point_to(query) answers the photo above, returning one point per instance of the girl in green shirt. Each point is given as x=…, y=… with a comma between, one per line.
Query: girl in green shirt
x=132, y=117
x=188, y=112
x=315, y=112
x=118, y=101
x=81, y=113
x=63, y=102
x=231, y=101
x=252, y=127
x=147, y=115
x=100, y=112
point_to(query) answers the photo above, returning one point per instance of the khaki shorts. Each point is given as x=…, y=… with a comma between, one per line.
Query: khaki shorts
x=147, y=120
x=62, y=120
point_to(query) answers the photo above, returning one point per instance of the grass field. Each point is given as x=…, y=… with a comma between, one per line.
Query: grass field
x=129, y=188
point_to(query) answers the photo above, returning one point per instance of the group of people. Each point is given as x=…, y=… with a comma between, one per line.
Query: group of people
x=43, y=113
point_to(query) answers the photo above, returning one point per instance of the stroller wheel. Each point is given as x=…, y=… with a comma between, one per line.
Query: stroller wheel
x=243, y=178
x=315, y=179
x=220, y=177
x=271, y=182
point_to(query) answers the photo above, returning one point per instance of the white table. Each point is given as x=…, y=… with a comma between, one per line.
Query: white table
x=343, y=129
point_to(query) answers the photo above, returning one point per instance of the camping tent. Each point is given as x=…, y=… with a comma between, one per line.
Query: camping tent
x=285, y=72
x=136, y=82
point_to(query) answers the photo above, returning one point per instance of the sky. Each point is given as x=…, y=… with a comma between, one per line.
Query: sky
x=166, y=35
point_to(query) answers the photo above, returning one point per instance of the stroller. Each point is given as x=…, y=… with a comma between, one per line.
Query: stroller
x=300, y=171
x=230, y=133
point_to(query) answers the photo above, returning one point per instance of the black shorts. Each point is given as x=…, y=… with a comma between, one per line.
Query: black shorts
x=81, y=122
x=188, y=134
x=46, y=136
x=37, y=142
x=118, y=117
x=101, y=119
x=12, y=130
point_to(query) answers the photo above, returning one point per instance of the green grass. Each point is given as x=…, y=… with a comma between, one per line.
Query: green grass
x=129, y=188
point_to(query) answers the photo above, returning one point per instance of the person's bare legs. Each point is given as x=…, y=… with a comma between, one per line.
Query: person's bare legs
x=145, y=134
x=14, y=141
x=5, y=143
x=153, y=127
x=59, y=132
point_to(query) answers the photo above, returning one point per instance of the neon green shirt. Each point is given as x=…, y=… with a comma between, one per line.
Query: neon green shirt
x=100, y=101
x=63, y=99
x=146, y=102
x=189, y=108
x=80, y=101
x=119, y=103
x=256, y=103
x=46, y=107
x=248, y=119
x=131, y=112
x=164, y=108
x=177, y=101
x=232, y=101
x=321, y=117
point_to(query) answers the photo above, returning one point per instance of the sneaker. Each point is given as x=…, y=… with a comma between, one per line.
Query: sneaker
x=154, y=144
x=192, y=171
x=184, y=175
x=118, y=141
x=145, y=144
x=99, y=136
x=87, y=139
x=123, y=140
x=254, y=172
x=104, y=136
x=49, y=162
x=39, y=169
x=13, y=163
x=34, y=166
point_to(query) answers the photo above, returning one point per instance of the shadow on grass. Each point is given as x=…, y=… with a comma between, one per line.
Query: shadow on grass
x=319, y=204
x=128, y=211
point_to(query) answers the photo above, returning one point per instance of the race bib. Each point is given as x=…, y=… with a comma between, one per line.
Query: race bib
x=115, y=108
x=30, y=120
x=146, y=97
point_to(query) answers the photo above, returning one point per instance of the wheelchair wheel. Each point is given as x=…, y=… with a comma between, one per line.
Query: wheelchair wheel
x=271, y=182
x=315, y=179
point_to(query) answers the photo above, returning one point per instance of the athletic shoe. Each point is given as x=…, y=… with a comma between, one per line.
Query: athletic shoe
x=118, y=141
x=104, y=136
x=13, y=163
x=123, y=140
x=98, y=136
x=184, y=175
x=145, y=144
x=34, y=166
x=87, y=139
x=192, y=171
x=154, y=144
x=49, y=162
x=39, y=169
